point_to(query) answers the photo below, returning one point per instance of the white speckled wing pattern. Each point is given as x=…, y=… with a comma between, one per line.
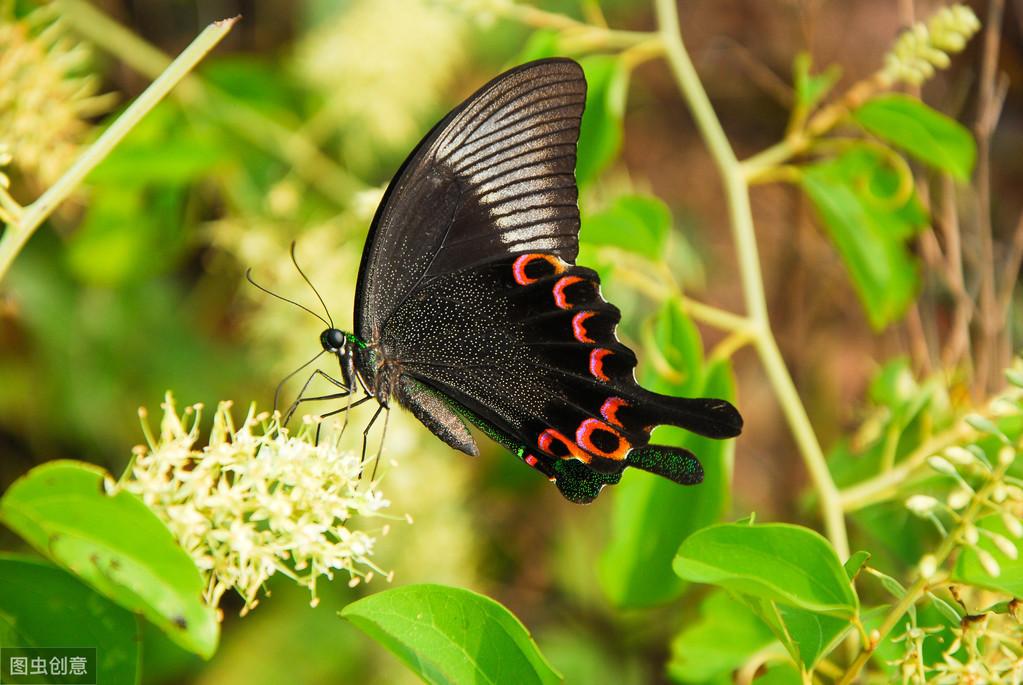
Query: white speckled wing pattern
x=495, y=178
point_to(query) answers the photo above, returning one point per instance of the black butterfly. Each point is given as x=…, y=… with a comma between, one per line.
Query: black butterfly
x=470, y=309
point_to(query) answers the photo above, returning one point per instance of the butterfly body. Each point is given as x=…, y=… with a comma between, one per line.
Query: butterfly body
x=470, y=309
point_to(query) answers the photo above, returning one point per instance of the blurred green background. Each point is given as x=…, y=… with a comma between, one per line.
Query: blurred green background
x=295, y=126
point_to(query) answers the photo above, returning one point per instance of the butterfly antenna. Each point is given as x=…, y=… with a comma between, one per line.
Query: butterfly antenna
x=248, y=276
x=306, y=278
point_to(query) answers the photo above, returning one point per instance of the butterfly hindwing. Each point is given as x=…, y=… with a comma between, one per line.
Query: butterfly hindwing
x=527, y=345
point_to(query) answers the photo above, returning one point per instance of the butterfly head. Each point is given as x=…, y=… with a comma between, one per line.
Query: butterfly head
x=335, y=341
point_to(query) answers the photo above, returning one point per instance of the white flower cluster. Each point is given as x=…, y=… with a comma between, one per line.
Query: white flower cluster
x=924, y=47
x=47, y=93
x=257, y=501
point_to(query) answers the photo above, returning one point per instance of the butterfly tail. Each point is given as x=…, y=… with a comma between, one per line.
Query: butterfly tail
x=712, y=418
x=674, y=463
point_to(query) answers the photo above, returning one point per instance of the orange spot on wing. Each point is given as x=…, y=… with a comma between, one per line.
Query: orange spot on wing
x=559, y=290
x=550, y=435
x=584, y=438
x=597, y=363
x=578, y=328
x=609, y=410
x=520, y=264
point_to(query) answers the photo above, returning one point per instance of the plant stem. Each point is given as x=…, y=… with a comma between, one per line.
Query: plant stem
x=880, y=487
x=16, y=235
x=741, y=219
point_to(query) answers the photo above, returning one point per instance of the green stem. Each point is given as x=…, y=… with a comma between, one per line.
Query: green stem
x=737, y=195
x=9, y=205
x=16, y=235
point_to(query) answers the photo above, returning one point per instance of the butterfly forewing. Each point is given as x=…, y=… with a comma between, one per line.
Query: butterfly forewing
x=495, y=177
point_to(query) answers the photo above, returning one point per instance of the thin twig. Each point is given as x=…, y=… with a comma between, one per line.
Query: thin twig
x=987, y=115
x=15, y=237
x=304, y=158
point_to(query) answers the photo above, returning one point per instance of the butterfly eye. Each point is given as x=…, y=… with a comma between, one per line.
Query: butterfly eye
x=333, y=340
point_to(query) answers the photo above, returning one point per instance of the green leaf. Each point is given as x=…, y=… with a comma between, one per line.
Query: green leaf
x=854, y=563
x=115, y=544
x=652, y=516
x=44, y=606
x=778, y=562
x=814, y=636
x=971, y=571
x=812, y=88
x=451, y=636
x=724, y=638
x=601, y=132
x=869, y=212
x=637, y=223
x=676, y=340
x=925, y=133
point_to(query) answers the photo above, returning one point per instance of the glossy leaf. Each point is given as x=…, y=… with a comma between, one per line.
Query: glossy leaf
x=722, y=640
x=779, y=562
x=970, y=569
x=601, y=132
x=928, y=135
x=637, y=223
x=813, y=635
x=115, y=544
x=44, y=606
x=869, y=212
x=451, y=636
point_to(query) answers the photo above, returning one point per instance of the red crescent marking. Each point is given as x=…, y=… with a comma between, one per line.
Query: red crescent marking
x=609, y=410
x=597, y=363
x=519, y=267
x=585, y=432
x=559, y=290
x=549, y=435
x=578, y=330
x=531, y=460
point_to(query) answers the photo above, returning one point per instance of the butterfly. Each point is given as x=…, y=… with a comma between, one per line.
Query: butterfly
x=470, y=309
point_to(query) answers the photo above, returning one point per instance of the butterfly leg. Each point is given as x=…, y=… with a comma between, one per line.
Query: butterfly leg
x=365, y=434
x=335, y=412
x=380, y=450
x=301, y=398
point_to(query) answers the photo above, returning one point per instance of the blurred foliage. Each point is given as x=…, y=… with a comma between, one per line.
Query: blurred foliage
x=136, y=286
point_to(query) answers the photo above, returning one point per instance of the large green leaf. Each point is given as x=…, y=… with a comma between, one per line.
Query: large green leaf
x=452, y=636
x=724, y=638
x=600, y=137
x=43, y=606
x=115, y=544
x=637, y=223
x=779, y=562
x=651, y=516
x=971, y=571
x=869, y=212
x=925, y=133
